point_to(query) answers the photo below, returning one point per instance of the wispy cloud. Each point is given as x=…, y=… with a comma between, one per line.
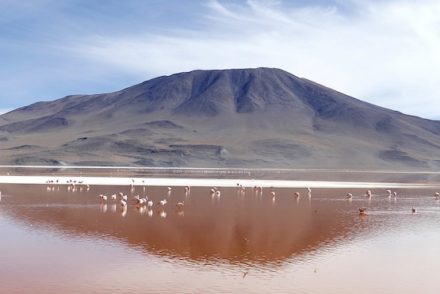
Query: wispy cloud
x=382, y=52
x=386, y=53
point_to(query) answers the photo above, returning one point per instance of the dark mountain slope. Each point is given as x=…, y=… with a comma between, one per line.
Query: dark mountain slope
x=242, y=117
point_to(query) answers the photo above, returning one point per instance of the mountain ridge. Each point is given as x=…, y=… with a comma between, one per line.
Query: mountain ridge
x=245, y=117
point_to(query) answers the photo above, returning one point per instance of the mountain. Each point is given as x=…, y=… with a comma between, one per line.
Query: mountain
x=262, y=117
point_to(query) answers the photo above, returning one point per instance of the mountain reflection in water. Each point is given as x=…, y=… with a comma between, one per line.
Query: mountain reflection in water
x=235, y=237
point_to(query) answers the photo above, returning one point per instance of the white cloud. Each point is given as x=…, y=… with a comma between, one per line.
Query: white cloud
x=385, y=53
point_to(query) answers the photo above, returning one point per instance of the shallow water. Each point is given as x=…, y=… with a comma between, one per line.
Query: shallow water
x=69, y=242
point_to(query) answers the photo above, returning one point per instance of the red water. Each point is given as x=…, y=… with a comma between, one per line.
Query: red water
x=69, y=242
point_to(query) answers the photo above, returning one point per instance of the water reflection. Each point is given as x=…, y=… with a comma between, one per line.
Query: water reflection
x=225, y=225
x=246, y=227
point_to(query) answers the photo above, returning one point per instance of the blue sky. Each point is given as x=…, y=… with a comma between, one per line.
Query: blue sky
x=384, y=52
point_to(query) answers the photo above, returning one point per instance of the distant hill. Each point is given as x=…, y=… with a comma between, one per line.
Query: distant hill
x=260, y=117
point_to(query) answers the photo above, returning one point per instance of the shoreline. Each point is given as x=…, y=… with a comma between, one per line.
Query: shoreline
x=219, y=169
x=204, y=182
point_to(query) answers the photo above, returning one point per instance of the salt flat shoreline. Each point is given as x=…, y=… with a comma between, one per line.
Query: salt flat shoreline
x=204, y=182
x=215, y=169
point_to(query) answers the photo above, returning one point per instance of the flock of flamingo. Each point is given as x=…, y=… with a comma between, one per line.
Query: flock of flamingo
x=144, y=202
x=390, y=195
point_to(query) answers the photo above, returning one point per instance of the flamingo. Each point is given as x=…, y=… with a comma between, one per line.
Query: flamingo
x=259, y=189
x=369, y=194
x=103, y=197
x=363, y=211
x=389, y=193
x=140, y=201
x=349, y=196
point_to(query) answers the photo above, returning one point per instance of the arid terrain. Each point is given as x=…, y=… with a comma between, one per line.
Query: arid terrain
x=260, y=117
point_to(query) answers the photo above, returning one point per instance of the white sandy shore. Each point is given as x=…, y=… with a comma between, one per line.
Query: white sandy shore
x=122, y=181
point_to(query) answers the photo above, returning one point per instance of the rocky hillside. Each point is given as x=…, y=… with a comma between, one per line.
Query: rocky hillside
x=259, y=117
